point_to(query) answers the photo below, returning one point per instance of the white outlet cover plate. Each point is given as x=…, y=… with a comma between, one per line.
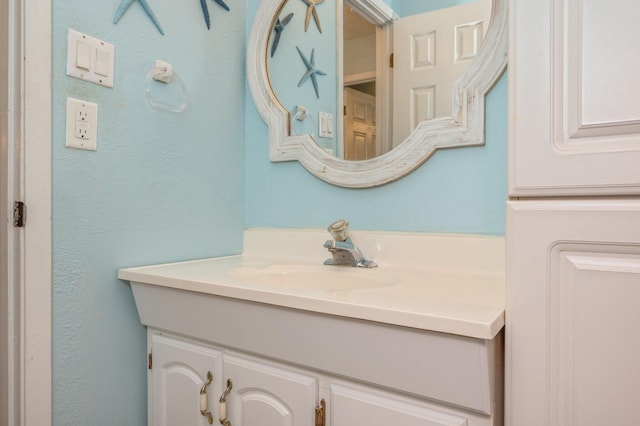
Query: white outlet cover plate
x=74, y=107
x=90, y=59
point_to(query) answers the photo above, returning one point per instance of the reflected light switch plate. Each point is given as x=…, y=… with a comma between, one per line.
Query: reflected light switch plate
x=90, y=59
x=325, y=124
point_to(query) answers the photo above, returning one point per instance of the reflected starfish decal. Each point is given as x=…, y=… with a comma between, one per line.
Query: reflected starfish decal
x=205, y=10
x=124, y=5
x=311, y=71
x=311, y=10
x=278, y=28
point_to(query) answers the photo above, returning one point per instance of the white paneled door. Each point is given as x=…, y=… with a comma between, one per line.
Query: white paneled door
x=431, y=51
x=573, y=265
x=359, y=125
x=574, y=97
x=573, y=313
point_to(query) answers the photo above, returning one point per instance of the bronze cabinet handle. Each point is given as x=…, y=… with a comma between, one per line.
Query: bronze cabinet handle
x=222, y=408
x=204, y=400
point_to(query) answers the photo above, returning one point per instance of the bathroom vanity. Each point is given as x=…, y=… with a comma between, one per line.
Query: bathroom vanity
x=290, y=341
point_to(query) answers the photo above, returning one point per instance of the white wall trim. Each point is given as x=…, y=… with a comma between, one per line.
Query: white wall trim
x=375, y=11
x=35, y=274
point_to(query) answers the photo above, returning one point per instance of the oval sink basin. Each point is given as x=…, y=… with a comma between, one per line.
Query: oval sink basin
x=314, y=277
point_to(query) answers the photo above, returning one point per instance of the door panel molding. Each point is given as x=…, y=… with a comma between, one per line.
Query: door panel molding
x=572, y=91
x=574, y=278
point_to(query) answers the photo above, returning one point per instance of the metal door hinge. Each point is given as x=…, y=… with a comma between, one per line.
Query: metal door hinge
x=321, y=413
x=150, y=360
x=19, y=214
x=345, y=110
x=391, y=61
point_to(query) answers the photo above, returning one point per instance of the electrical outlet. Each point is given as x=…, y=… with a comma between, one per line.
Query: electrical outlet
x=82, y=114
x=82, y=124
x=82, y=130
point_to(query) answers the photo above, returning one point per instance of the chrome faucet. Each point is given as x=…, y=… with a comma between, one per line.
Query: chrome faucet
x=343, y=249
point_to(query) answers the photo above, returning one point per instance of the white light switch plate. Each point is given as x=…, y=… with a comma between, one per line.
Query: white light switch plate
x=90, y=59
x=82, y=124
x=325, y=124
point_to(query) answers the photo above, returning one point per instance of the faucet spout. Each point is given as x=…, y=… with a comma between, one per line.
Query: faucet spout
x=342, y=248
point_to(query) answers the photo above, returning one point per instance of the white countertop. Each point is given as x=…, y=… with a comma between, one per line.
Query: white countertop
x=449, y=284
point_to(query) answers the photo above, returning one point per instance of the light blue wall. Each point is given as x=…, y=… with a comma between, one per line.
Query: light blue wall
x=165, y=187
x=456, y=191
x=412, y=7
x=161, y=187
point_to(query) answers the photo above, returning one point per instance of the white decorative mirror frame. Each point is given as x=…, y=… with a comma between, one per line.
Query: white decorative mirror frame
x=464, y=128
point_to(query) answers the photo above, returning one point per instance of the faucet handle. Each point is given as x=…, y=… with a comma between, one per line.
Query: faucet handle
x=339, y=230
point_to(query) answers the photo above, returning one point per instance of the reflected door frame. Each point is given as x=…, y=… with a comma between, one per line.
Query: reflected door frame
x=383, y=77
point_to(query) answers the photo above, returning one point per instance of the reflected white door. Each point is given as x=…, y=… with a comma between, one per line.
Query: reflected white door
x=431, y=51
x=359, y=125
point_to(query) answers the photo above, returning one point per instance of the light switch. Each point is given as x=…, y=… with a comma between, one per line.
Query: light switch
x=102, y=62
x=90, y=59
x=83, y=55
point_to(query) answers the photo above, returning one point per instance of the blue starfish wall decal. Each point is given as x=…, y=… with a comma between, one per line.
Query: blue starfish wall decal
x=223, y=4
x=311, y=71
x=311, y=10
x=278, y=28
x=205, y=10
x=124, y=5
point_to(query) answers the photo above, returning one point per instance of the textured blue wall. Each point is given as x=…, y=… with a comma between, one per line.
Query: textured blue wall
x=161, y=187
x=456, y=191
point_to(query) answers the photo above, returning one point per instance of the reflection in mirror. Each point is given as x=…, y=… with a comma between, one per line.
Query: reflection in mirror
x=288, y=69
x=409, y=117
x=360, y=140
x=415, y=58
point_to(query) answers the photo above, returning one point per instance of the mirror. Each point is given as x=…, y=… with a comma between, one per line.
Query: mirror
x=395, y=154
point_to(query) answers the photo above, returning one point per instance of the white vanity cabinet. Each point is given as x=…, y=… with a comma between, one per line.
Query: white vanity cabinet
x=418, y=343
x=573, y=264
x=353, y=404
x=260, y=393
x=265, y=392
x=178, y=371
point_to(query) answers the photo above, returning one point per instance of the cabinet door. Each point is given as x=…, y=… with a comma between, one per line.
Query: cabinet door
x=350, y=406
x=573, y=87
x=178, y=374
x=267, y=395
x=573, y=297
